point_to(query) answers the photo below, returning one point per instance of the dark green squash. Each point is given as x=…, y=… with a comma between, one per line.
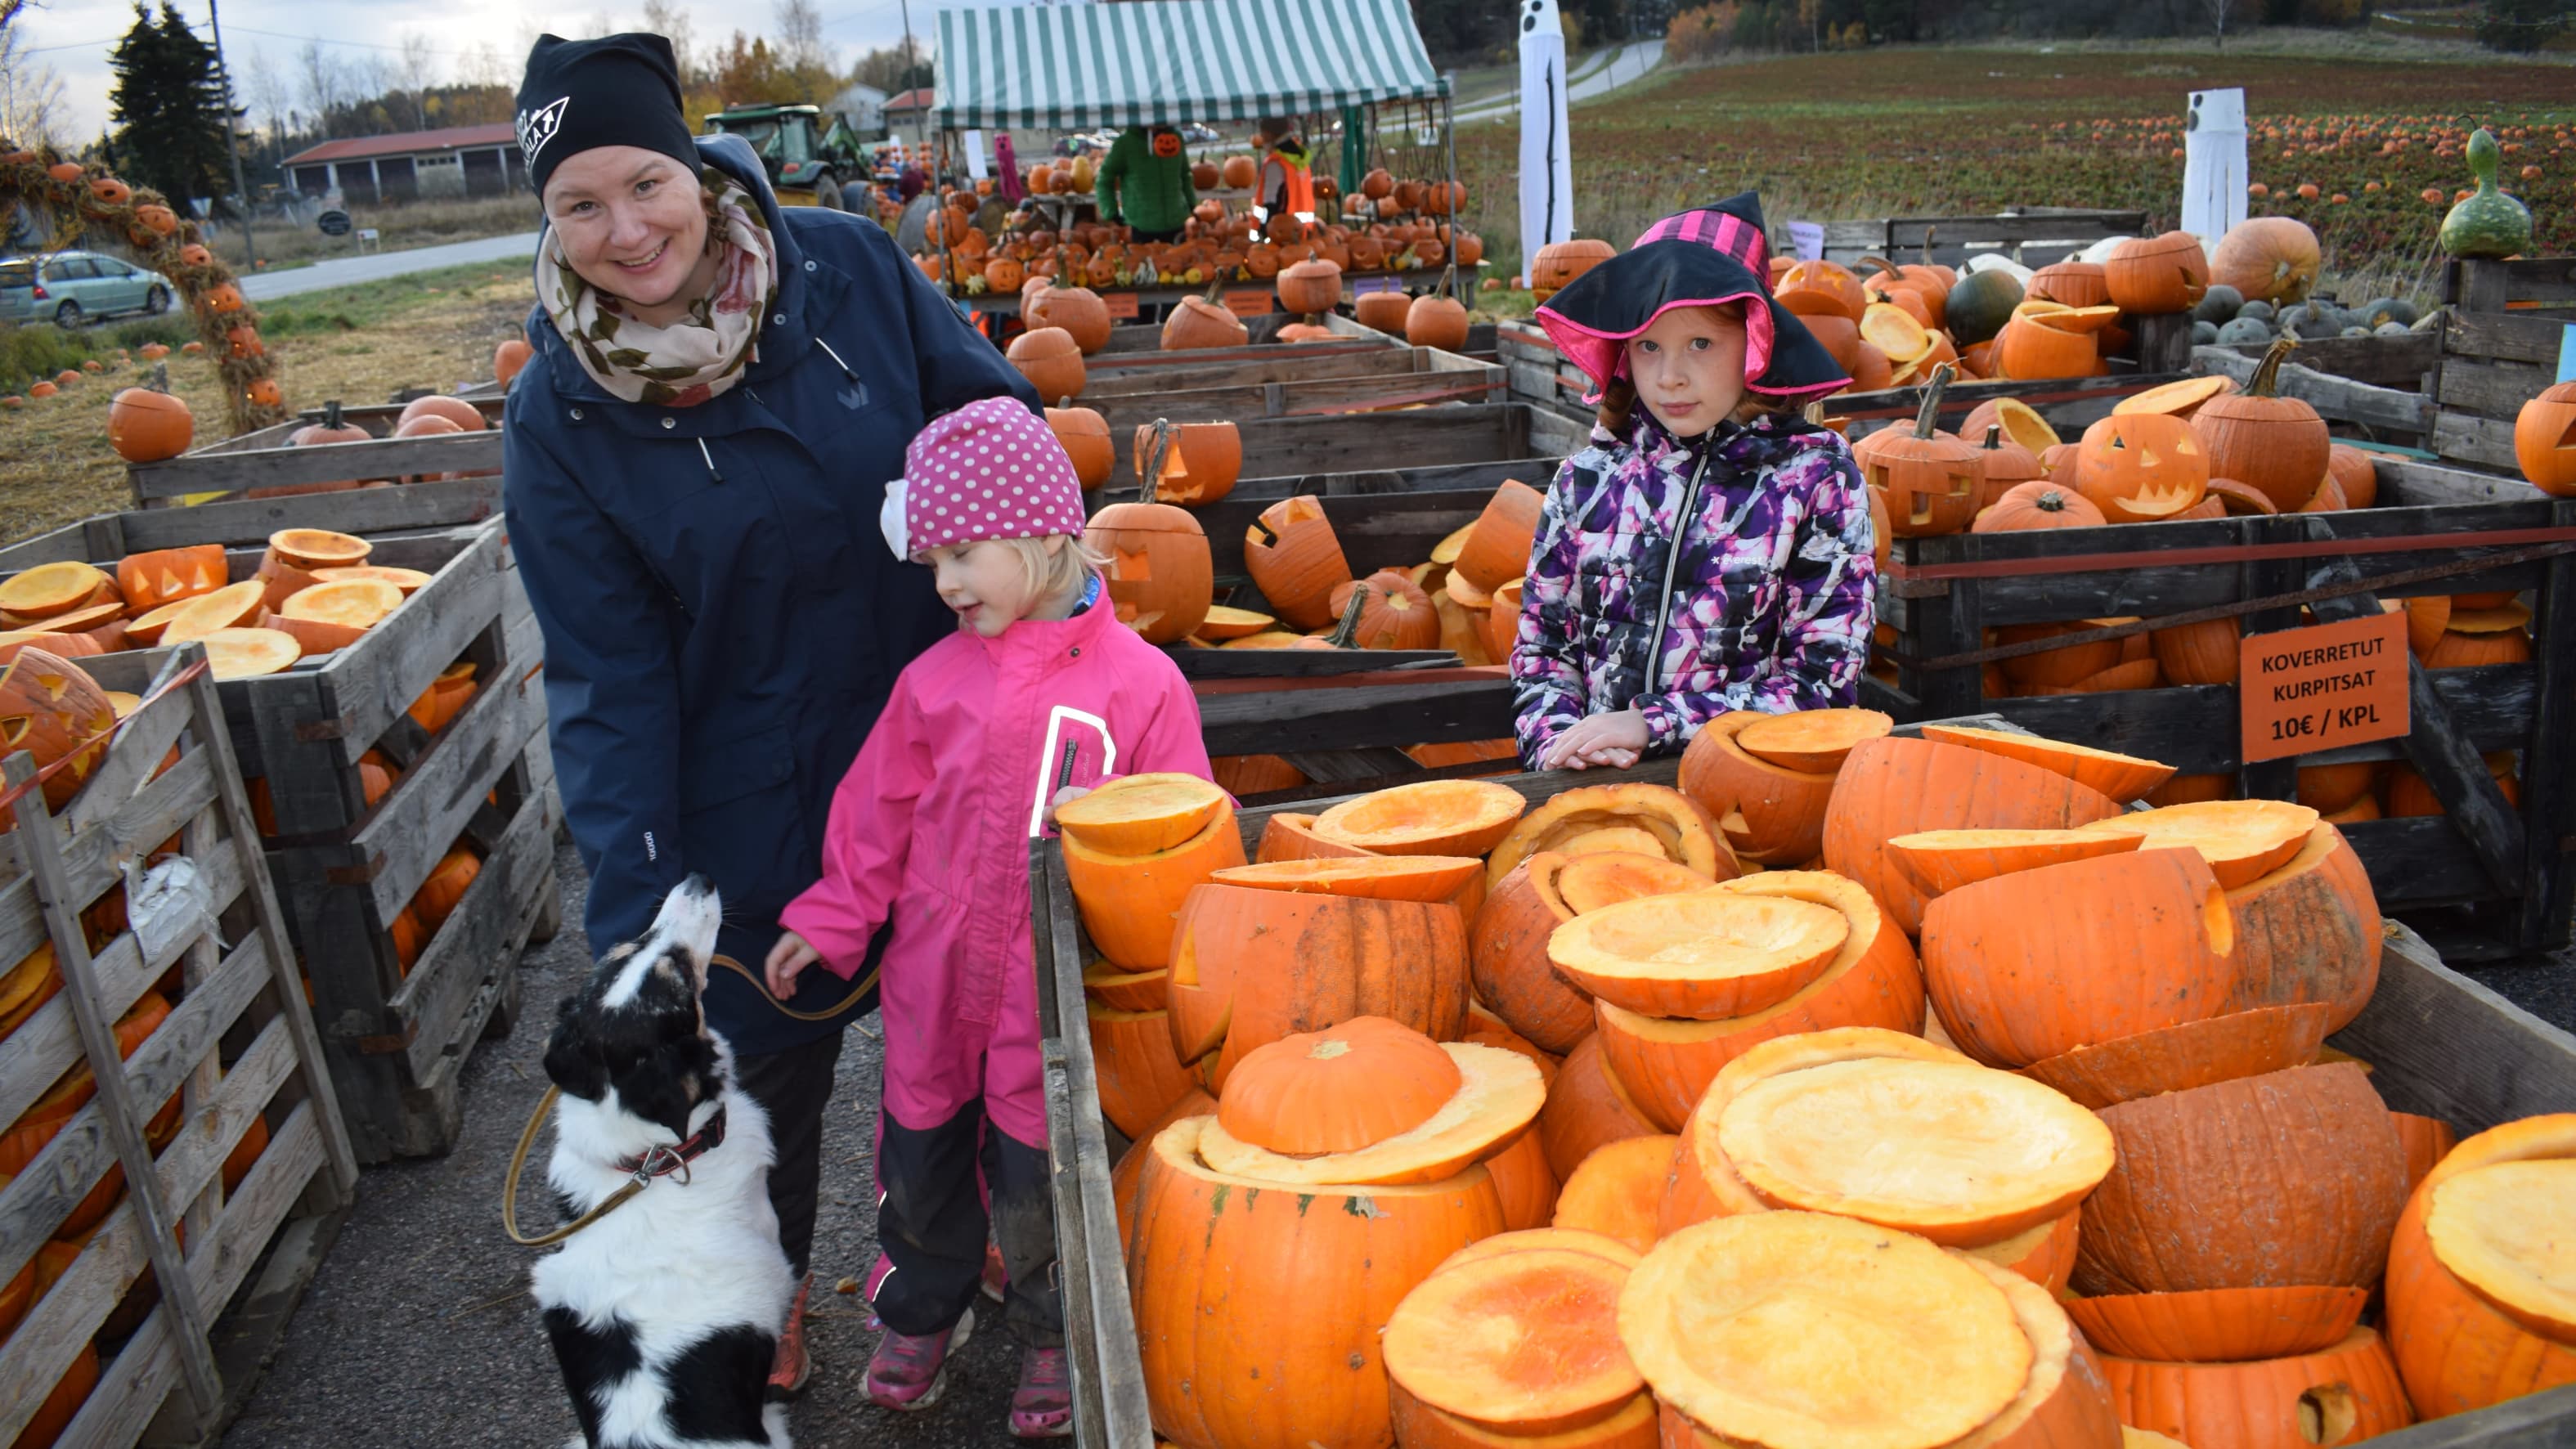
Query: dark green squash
x=1980, y=304
x=2489, y=223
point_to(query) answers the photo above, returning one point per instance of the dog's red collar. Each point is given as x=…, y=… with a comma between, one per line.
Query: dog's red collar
x=663, y=1161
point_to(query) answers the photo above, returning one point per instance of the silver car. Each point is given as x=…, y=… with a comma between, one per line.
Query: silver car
x=70, y=288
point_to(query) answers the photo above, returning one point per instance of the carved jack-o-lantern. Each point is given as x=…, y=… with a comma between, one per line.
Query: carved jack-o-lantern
x=49, y=707
x=2141, y=467
x=2544, y=440
x=1161, y=577
x=1927, y=477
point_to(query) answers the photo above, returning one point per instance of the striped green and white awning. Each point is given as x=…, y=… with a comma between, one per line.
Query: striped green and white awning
x=1071, y=67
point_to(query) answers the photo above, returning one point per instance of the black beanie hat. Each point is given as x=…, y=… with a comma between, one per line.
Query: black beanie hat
x=618, y=90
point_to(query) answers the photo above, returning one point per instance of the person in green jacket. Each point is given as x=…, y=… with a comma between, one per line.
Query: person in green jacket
x=1145, y=183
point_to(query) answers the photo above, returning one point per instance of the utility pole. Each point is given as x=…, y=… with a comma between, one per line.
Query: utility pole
x=232, y=142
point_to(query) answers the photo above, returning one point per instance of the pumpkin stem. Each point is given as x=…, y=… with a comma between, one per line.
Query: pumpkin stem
x=1449, y=280
x=1927, y=244
x=1926, y=418
x=2267, y=373
x=1994, y=436
x=1883, y=264
x=1349, y=628
x=1158, y=442
x=331, y=413
x=2050, y=501
x=1216, y=285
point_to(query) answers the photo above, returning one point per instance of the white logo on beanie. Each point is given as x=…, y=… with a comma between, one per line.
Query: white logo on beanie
x=536, y=128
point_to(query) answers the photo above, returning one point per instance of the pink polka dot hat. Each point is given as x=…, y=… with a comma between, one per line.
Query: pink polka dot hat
x=991, y=469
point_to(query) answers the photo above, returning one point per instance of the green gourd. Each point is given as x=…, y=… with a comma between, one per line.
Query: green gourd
x=2489, y=223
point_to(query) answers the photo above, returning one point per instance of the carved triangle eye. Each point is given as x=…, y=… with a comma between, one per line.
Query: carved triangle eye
x=15, y=727
x=2118, y=442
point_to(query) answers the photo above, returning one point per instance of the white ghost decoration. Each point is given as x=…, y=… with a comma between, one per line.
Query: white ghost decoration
x=1547, y=168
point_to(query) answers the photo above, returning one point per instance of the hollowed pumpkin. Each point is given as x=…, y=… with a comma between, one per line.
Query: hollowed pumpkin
x=1160, y=578
x=319, y=548
x=1384, y=878
x=2142, y=467
x=1811, y=741
x=2205, y=1176
x=2245, y=1043
x=1366, y=1102
x=1507, y=956
x=1705, y=955
x=1295, y=560
x=165, y=576
x=52, y=589
x=1396, y=614
x=1525, y=1342
x=52, y=709
x=1125, y=990
x=2427, y=1141
x=2034, y=964
x=1928, y=477
x=1496, y=549
x=1808, y=1331
x=1765, y=812
x=2175, y=399
x=2544, y=440
x=1199, y=462
x=2146, y=276
x=1616, y=1189
x=2019, y=420
x=1132, y=1061
x=2458, y=1349
x=1130, y=903
x=1944, y=860
x=1686, y=833
x=1587, y=1109
x=2309, y=931
x=1084, y=435
x=1666, y=1064
x=2277, y=445
x=1291, y=836
x=1436, y=817
x=2342, y=1395
x=2242, y=840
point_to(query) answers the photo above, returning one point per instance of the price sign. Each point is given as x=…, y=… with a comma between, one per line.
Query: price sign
x=2324, y=687
x=1248, y=303
x=1121, y=305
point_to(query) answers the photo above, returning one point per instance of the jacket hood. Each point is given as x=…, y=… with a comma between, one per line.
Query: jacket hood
x=784, y=334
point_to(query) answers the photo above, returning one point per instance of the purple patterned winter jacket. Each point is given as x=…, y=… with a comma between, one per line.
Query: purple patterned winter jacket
x=1770, y=599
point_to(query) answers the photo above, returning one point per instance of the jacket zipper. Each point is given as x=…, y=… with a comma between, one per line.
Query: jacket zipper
x=1672, y=562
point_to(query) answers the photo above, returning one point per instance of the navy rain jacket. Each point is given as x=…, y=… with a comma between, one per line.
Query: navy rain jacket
x=722, y=619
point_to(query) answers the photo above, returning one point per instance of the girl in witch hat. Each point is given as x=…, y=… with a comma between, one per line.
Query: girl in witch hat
x=1709, y=550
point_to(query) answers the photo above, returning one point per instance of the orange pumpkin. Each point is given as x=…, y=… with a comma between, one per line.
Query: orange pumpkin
x=2339, y=1395
x=2277, y=445
x=446, y=886
x=1296, y=561
x=2141, y=467
x=2150, y=275
x=52, y=709
x=2456, y=1345
x=145, y=425
x=2544, y=440
x=2037, y=504
x=1160, y=579
x=1928, y=477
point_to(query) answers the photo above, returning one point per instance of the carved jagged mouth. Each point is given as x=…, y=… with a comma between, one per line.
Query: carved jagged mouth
x=2157, y=502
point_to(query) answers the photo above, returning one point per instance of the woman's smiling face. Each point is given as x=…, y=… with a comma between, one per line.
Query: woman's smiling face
x=632, y=223
x=1689, y=367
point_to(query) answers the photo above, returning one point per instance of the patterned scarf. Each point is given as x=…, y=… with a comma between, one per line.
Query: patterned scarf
x=693, y=359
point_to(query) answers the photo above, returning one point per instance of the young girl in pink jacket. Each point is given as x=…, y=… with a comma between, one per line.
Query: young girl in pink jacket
x=1040, y=694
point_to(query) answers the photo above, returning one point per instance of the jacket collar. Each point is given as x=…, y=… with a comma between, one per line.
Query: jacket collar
x=807, y=287
x=1038, y=638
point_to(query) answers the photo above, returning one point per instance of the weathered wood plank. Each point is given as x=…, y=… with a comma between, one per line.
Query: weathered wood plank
x=1301, y=663
x=2502, y=337
x=2486, y=442
x=410, y=829
x=484, y=934
x=2391, y=362
x=2524, y=279
x=2442, y=1045
x=1110, y=380
x=2406, y=483
x=91, y=860
x=319, y=463
x=2338, y=399
x=2491, y=389
x=1342, y=718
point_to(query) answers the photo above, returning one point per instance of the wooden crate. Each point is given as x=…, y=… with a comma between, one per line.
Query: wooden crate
x=2500, y=863
x=345, y=869
x=2500, y=339
x=262, y=459
x=2031, y=235
x=239, y=1047
x=2439, y=1043
x=1286, y=455
x=1353, y=382
x=369, y=513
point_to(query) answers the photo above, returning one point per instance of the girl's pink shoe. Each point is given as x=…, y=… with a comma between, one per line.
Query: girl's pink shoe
x=908, y=1372
x=1042, y=1406
x=997, y=1276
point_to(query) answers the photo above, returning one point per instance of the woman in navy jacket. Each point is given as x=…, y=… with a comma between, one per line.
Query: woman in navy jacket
x=695, y=459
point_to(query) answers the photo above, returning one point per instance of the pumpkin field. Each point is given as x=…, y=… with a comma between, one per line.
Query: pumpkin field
x=1840, y=137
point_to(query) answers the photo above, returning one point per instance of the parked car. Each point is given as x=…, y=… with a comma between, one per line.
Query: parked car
x=70, y=288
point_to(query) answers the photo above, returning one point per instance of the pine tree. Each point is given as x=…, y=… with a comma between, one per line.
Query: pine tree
x=169, y=109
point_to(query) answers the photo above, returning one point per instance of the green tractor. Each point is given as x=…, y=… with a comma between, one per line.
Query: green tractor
x=813, y=158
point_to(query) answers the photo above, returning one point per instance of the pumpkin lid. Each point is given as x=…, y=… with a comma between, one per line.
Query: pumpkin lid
x=2122, y=777
x=225, y=607
x=1446, y=550
x=1223, y=622
x=1436, y=817
x=407, y=580
x=1593, y=880
x=1375, y=877
x=1807, y=1331
x=2502, y=1230
x=1957, y=1152
x=313, y=548
x=1705, y=954
x=51, y=588
x=2054, y=1346
x=242, y=653
x=2176, y=398
x=1576, y=1240
x=355, y=603
x=1944, y=860
x=1525, y=1342
x=1686, y=833
x=2242, y=840
x=1813, y=741
x=1141, y=814
x=2503, y=619
x=1498, y=1093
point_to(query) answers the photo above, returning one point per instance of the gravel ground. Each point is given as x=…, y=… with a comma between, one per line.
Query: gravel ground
x=422, y=1263
x=418, y=1333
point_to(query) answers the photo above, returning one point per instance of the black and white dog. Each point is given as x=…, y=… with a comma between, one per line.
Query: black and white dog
x=665, y=1313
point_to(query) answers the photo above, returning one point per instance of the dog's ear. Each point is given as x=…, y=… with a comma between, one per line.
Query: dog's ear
x=570, y=1065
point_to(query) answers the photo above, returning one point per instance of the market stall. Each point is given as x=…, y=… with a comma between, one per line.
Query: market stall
x=1351, y=66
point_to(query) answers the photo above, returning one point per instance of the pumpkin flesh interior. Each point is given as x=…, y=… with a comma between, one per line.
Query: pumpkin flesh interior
x=2242, y=840
x=407, y=580
x=355, y=603
x=2122, y=777
x=1686, y=832
x=1522, y=1340
x=1620, y=840
x=1944, y=860
x=1807, y=1331
x=1499, y=1093
x=1704, y=954
x=1958, y=1152
x=1338, y=1090
x=2502, y=1229
x=1141, y=814
x=1589, y=880
x=1225, y=622
x=1437, y=817
x=1377, y=877
x=50, y=588
x=313, y=548
x=1812, y=741
x=242, y=653
x=225, y=608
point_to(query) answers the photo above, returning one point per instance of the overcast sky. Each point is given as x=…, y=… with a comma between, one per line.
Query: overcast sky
x=74, y=36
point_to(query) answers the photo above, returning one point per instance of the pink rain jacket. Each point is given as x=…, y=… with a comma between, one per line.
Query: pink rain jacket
x=932, y=827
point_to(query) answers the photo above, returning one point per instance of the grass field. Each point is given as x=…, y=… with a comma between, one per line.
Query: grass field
x=1917, y=132
x=358, y=344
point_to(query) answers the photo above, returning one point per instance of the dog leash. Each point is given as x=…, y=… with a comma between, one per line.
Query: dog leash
x=657, y=1161
x=865, y=984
